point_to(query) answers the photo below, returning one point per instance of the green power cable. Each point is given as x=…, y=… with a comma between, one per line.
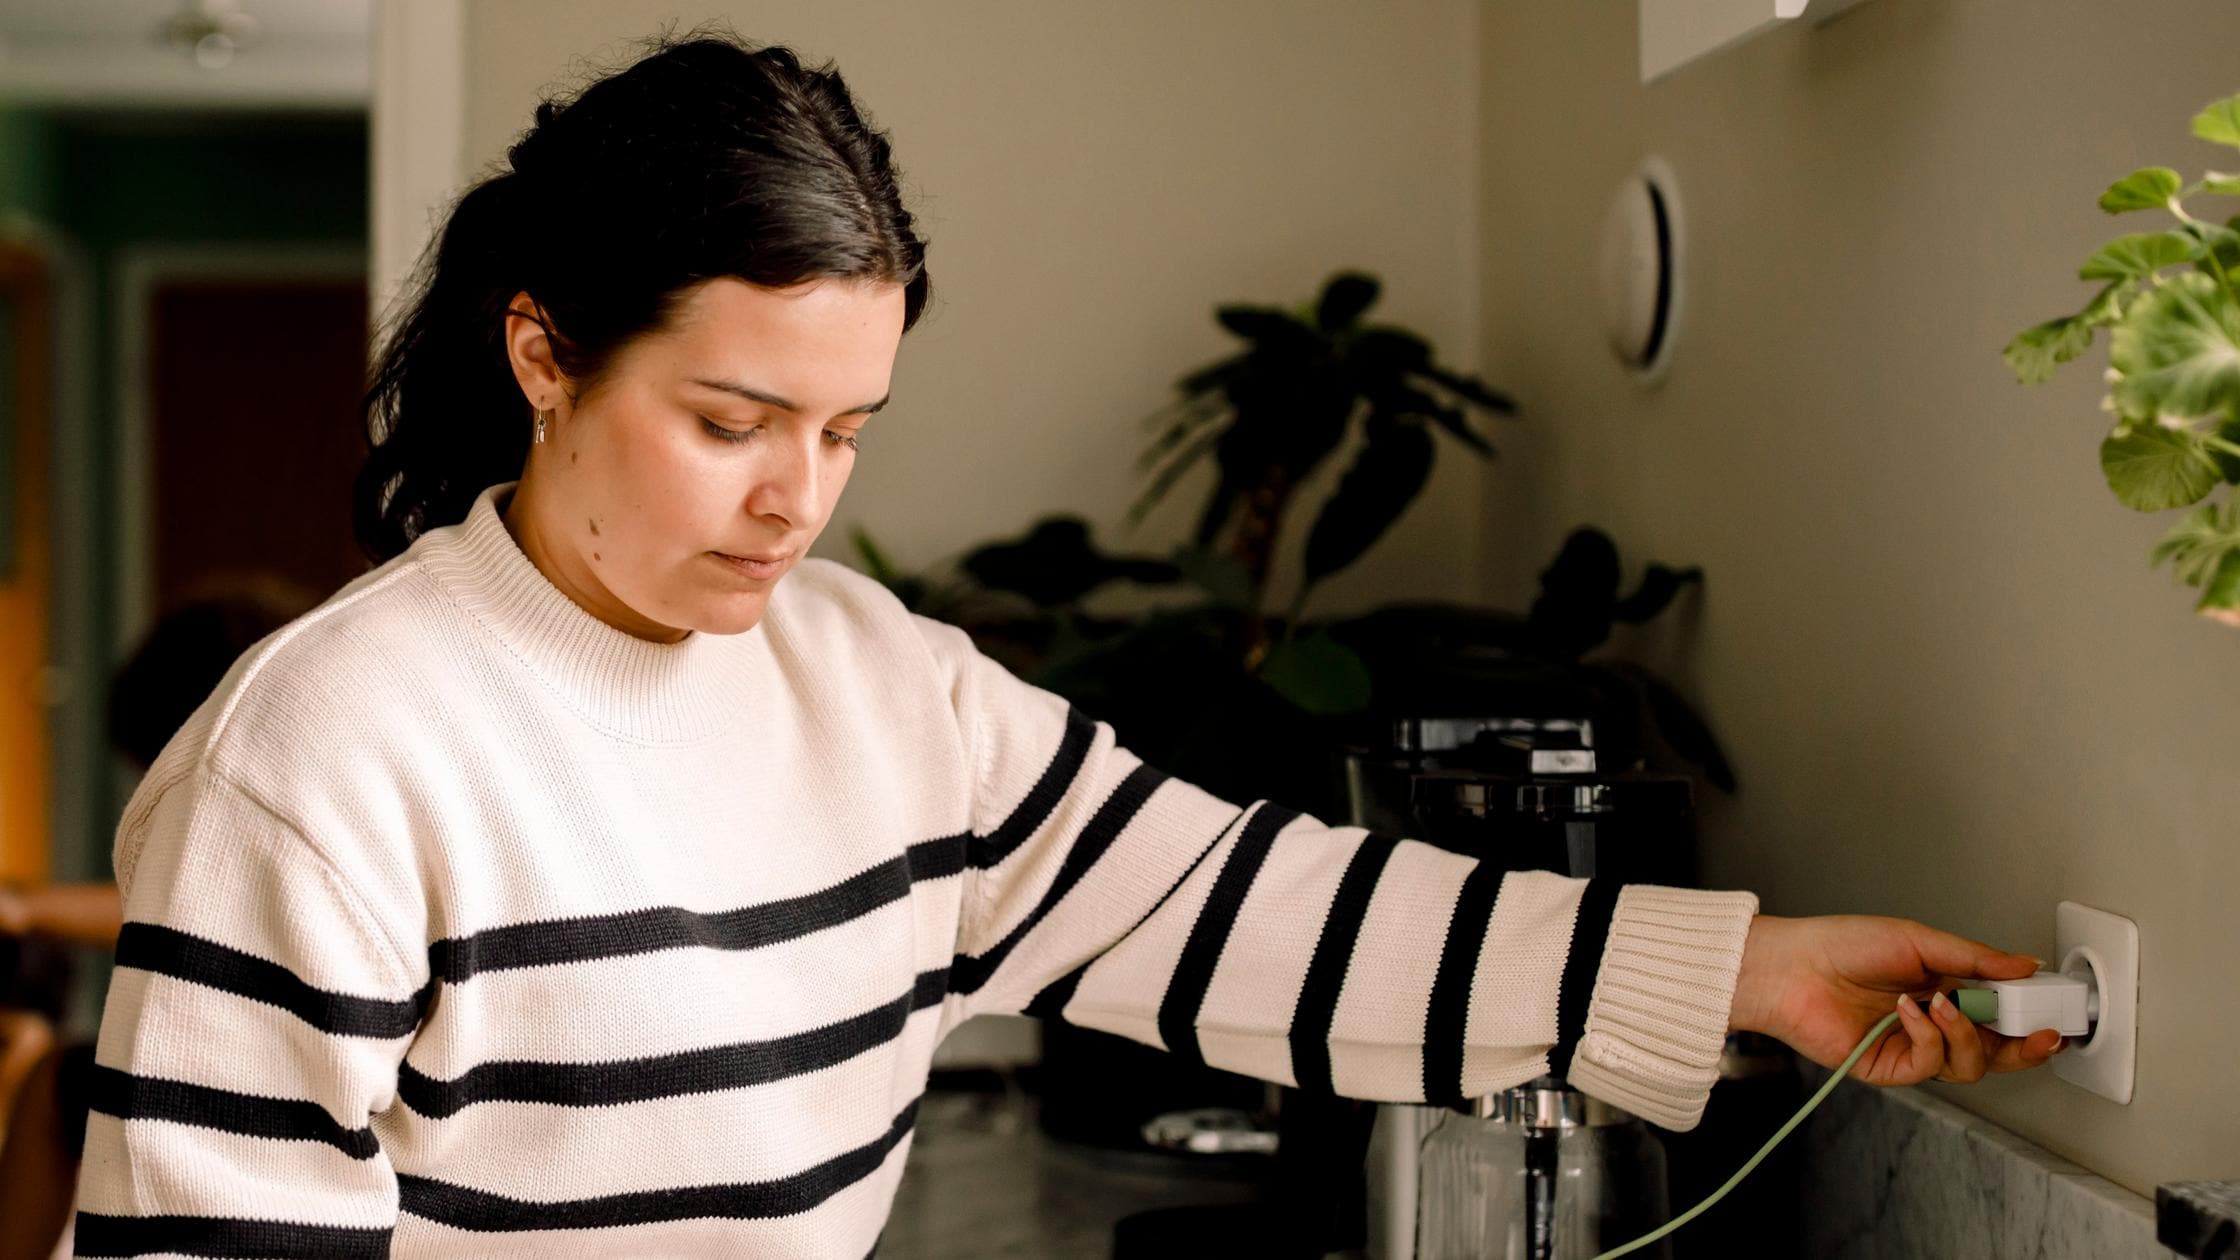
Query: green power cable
x=1874, y=1034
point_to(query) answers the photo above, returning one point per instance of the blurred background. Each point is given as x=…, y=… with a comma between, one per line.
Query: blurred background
x=1905, y=623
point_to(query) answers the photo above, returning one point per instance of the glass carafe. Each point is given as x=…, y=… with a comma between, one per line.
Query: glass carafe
x=1539, y=1172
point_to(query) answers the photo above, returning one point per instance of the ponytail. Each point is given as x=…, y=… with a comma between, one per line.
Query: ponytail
x=445, y=371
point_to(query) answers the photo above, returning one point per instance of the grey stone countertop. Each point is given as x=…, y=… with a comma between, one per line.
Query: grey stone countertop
x=984, y=1183
x=2199, y=1219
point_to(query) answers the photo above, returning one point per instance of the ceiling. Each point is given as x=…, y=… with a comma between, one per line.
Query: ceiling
x=112, y=53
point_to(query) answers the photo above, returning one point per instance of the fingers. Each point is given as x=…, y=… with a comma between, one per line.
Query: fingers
x=1963, y=959
x=1964, y=1057
x=2016, y=1054
x=1924, y=1048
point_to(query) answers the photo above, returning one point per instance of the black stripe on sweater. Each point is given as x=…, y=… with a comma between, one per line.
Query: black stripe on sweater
x=548, y=942
x=100, y=1235
x=971, y=972
x=1031, y=812
x=484, y=1212
x=1193, y=971
x=1051, y=1002
x=1447, y=1021
x=170, y=952
x=613, y=1082
x=1589, y=936
x=129, y=1097
x=1326, y=974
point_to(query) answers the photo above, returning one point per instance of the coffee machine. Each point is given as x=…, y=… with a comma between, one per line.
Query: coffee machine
x=1532, y=793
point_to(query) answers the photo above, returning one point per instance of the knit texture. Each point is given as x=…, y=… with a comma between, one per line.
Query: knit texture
x=461, y=923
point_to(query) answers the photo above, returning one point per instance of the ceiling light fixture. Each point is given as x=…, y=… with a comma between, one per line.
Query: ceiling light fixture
x=211, y=32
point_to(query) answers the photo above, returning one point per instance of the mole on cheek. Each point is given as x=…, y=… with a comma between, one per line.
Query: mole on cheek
x=594, y=527
x=572, y=457
x=596, y=556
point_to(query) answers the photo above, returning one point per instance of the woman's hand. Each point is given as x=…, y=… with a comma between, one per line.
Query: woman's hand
x=1820, y=983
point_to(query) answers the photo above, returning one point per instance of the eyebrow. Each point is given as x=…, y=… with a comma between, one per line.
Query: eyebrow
x=752, y=394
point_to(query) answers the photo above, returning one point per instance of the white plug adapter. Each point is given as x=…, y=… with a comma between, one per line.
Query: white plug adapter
x=2066, y=1003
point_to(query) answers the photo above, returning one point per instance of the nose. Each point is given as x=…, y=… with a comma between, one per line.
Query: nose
x=783, y=489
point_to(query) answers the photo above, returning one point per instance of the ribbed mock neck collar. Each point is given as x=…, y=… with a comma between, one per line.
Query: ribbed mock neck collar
x=697, y=687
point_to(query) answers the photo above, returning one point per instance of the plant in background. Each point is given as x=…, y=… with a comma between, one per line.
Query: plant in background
x=2169, y=302
x=1248, y=704
x=1270, y=414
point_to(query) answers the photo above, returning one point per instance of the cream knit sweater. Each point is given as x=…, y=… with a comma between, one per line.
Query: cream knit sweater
x=460, y=923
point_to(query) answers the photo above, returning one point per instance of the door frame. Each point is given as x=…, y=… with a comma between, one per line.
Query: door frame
x=139, y=270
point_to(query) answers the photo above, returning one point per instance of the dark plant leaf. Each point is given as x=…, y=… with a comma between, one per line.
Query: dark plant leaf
x=1384, y=353
x=1472, y=389
x=1055, y=564
x=1348, y=294
x=1189, y=416
x=1164, y=479
x=1578, y=594
x=1261, y=324
x=1659, y=587
x=1386, y=476
x=1456, y=424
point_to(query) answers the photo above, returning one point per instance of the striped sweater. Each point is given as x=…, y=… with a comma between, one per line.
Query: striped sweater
x=460, y=923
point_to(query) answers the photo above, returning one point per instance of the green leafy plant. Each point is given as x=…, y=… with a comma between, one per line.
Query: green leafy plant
x=2169, y=301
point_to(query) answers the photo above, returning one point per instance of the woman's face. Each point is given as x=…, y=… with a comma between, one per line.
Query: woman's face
x=678, y=493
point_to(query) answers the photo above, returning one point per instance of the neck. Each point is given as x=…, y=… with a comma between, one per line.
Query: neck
x=565, y=569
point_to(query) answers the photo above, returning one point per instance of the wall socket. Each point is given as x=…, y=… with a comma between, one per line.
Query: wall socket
x=2105, y=947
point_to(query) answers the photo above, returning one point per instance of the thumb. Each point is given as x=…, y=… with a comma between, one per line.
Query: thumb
x=1957, y=956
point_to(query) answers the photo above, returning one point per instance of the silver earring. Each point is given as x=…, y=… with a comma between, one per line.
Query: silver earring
x=540, y=424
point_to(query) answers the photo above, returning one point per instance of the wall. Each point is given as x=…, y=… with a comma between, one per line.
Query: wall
x=1093, y=180
x=1952, y=686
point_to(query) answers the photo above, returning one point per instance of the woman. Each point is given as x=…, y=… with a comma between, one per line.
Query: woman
x=596, y=875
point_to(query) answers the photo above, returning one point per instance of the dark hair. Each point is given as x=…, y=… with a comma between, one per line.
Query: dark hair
x=705, y=158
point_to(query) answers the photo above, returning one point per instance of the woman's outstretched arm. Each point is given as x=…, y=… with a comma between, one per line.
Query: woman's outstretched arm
x=1264, y=941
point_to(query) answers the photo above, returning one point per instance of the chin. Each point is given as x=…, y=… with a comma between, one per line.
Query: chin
x=735, y=614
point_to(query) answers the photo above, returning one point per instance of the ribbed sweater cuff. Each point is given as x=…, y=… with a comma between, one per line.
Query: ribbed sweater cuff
x=1657, y=1021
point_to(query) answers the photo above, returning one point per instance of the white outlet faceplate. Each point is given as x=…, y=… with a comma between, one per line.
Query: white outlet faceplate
x=2107, y=945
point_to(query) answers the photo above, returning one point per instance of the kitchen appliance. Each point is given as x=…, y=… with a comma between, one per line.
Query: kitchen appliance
x=1539, y=1173
x=1524, y=793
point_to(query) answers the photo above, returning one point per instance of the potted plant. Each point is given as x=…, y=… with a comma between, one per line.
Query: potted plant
x=2168, y=298
x=1249, y=702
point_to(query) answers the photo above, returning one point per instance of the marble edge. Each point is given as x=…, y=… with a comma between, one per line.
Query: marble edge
x=2114, y=1216
x=2199, y=1219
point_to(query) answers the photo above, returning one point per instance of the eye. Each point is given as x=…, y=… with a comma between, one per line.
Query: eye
x=728, y=435
x=839, y=437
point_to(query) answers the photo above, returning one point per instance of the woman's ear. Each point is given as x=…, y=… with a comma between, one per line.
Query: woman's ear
x=529, y=349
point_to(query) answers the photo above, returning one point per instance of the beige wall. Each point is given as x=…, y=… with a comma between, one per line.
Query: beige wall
x=1952, y=686
x=1094, y=178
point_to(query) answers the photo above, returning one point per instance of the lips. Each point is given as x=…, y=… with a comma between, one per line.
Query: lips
x=764, y=568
